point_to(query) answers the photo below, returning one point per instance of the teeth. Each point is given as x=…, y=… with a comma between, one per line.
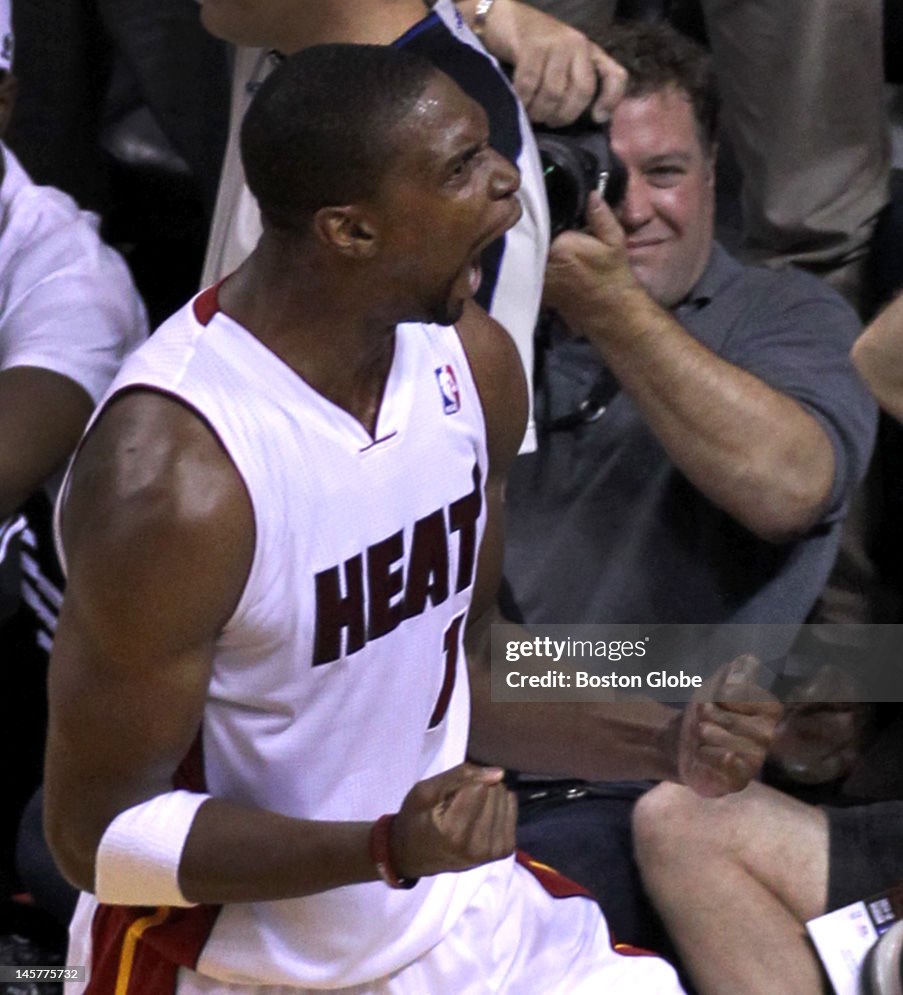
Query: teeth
x=476, y=277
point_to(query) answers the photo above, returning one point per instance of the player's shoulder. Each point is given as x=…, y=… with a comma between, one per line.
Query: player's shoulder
x=489, y=348
x=155, y=531
x=499, y=377
x=154, y=513
x=149, y=467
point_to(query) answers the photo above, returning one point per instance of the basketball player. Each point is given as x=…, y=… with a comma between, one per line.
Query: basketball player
x=556, y=72
x=276, y=531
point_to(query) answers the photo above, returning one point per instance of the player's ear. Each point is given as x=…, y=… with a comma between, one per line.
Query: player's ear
x=348, y=229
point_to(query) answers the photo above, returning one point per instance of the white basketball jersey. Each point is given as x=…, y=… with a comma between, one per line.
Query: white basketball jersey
x=340, y=681
x=512, y=286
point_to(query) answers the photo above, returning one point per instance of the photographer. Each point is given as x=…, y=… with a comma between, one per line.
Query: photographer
x=701, y=427
x=735, y=427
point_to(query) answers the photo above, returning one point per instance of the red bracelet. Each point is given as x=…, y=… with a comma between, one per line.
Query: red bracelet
x=379, y=854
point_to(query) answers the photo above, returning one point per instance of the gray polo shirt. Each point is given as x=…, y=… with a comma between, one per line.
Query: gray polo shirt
x=602, y=527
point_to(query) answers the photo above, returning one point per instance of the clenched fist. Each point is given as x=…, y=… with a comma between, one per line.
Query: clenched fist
x=458, y=819
x=722, y=742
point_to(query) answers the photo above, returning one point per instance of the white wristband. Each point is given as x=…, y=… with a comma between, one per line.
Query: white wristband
x=138, y=857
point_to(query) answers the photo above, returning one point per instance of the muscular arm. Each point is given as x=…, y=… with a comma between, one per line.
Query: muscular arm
x=753, y=451
x=590, y=740
x=715, y=748
x=594, y=740
x=158, y=533
x=42, y=415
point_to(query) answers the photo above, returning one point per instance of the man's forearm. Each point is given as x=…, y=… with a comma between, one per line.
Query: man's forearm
x=715, y=745
x=234, y=854
x=228, y=853
x=603, y=740
x=751, y=450
x=616, y=740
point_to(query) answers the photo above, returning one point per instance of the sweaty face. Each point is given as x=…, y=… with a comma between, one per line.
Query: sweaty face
x=668, y=211
x=446, y=197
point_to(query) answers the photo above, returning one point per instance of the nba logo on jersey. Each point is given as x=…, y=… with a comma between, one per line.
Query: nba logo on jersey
x=448, y=388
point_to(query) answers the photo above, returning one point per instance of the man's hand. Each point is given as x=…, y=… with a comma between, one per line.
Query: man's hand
x=588, y=275
x=722, y=742
x=558, y=71
x=458, y=819
x=819, y=738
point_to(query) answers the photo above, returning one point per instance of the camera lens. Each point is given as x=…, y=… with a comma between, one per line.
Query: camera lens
x=563, y=194
x=576, y=161
x=567, y=171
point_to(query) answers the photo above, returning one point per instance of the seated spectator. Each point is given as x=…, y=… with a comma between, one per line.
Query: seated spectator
x=771, y=862
x=68, y=315
x=807, y=170
x=709, y=482
x=701, y=425
x=735, y=879
x=556, y=72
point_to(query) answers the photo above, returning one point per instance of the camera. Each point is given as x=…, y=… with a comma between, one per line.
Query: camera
x=577, y=160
